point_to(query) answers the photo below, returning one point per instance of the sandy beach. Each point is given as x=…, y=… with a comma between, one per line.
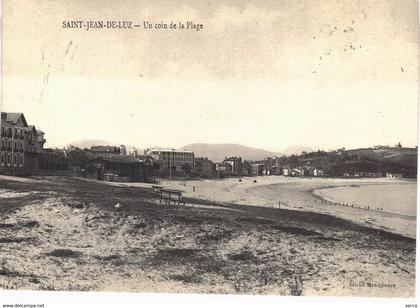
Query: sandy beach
x=304, y=194
x=118, y=237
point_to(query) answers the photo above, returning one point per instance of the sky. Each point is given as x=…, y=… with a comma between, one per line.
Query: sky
x=325, y=74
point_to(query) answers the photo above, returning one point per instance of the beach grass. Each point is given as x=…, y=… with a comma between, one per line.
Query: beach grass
x=203, y=247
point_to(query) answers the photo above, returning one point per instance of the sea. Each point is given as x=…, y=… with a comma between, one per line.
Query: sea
x=391, y=198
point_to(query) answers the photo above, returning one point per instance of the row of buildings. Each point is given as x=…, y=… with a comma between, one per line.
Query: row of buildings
x=236, y=166
x=22, y=153
x=276, y=169
x=112, y=162
x=392, y=175
x=20, y=145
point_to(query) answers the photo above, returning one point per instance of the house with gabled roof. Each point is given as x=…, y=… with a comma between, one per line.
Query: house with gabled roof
x=115, y=168
x=20, y=144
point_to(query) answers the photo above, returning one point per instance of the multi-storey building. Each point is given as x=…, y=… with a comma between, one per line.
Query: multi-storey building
x=204, y=166
x=236, y=163
x=224, y=168
x=174, y=160
x=20, y=144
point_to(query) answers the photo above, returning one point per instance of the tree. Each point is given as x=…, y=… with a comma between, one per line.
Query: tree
x=77, y=157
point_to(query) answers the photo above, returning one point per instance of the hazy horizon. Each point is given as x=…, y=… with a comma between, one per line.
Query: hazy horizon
x=323, y=74
x=162, y=146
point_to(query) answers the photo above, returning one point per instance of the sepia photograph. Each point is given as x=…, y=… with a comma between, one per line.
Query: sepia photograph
x=234, y=147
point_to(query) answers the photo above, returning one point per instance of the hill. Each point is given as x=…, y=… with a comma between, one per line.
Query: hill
x=382, y=159
x=217, y=152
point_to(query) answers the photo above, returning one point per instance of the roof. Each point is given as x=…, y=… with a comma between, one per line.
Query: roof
x=233, y=158
x=13, y=117
x=171, y=151
x=223, y=163
x=31, y=128
x=202, y=159
x=103, y=148
x=115, y=158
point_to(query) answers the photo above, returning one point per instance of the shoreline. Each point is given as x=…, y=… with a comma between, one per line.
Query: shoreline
x=295, y=194
x=299, y=194
x=402, y=224
x=200, y=201
x=319, y=194
x=142, y=245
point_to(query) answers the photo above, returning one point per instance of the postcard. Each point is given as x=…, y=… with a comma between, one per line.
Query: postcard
x=227, y=147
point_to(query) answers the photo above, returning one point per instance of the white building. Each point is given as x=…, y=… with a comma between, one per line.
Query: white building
x=173, y=159
x=318, y=172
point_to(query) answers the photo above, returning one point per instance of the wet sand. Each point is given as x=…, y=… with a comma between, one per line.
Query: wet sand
x=391, y=198
x=304, y=194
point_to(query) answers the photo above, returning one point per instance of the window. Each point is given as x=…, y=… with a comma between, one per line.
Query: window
x=15, y=160
x=9, y=159
x=2, y=159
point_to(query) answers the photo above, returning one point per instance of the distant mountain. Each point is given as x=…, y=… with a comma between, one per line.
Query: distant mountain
x=87, y=143
x=218, y=152
x=297, y=150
